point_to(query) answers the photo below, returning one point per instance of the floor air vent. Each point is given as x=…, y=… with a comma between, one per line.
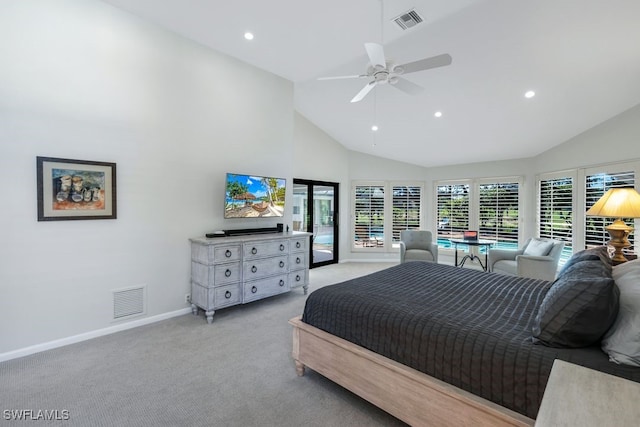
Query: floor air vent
x=128, y=302
x=408, y=19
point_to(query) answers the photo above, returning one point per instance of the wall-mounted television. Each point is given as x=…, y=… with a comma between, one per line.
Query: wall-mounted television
x=252, y=196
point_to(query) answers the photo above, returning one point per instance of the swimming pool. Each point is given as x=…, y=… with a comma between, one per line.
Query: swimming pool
x=324, y=239
x=446, y=244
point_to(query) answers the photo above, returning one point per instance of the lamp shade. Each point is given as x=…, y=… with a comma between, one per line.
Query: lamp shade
x=617, y=203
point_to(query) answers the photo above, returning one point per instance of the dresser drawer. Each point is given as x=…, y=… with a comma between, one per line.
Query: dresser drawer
x=265, y=267
x=226, y=295
x=215, y=254
x=215, y=275
x=258, y=289
x=299, y=244
x=265, y=249
x=297, y=261
x=298, y=278
x=226, y=253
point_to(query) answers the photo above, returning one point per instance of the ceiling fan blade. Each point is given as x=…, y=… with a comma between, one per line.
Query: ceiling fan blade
x=359, y=76
x=427, y=63
x=407, y=87
x=376, y=54
x=364, y=91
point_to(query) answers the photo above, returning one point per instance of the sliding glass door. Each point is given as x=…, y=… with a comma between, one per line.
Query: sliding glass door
x=315, y=210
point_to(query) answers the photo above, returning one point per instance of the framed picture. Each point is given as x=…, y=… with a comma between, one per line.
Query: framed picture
x=75, y=189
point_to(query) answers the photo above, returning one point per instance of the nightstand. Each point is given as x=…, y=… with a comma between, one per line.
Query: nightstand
x=578, y=396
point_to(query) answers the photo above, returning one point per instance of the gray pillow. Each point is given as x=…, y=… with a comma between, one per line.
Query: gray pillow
x=599, y=252
x=538, y=247
x=579, y=307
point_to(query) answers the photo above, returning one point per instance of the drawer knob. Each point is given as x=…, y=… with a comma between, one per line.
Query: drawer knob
x=297, y=277
x=227, y=253
x=254, y=269
x=281, y=282
x=227, y=294
x=227, y=273
x=298, y=245
x=281, y=264
x=254, y=251
x=254, y=289
x=281, y=247
x=298, y=260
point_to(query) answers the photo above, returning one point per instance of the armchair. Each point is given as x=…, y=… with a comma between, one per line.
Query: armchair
x=537, y=259
x=417, y=245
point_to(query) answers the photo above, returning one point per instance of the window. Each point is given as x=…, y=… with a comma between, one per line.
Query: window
x=498, y=209
x=492, y=207
x=596, y=184
x=555, y=211
x=382, y=210
x=453, y=210
x=407, y=202
x=369, y=209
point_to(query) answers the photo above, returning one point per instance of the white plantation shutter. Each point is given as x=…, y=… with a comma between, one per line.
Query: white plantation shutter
x=453, y=210
x=368, y=215
x=555, y=212
x=596, y=184
x=498, y=215
x=407, y=202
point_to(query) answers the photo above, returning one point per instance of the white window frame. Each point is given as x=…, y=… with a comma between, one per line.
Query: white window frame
x=611, y=168
x=388, y=244
x=500, y=180
x=550, y=176
x=392, y=186
x=474, y=200
x=436, y=184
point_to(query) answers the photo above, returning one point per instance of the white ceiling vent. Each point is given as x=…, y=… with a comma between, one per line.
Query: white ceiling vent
x=129, y=302
x=408, y=19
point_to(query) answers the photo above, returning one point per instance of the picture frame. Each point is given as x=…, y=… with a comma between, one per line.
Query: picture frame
x=75, y=189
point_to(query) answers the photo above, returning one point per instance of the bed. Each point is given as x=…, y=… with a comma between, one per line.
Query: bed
x=438, y=345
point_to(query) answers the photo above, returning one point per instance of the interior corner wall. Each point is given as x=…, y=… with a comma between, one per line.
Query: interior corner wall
x=319, y=157
x=83, y=80
x=498, y=169
x=614, y=140
x=366, y=167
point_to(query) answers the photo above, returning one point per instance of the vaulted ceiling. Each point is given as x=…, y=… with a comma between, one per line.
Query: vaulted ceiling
x=581, y=57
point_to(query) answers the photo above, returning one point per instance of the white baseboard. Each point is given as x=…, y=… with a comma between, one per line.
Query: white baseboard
x=89, y=335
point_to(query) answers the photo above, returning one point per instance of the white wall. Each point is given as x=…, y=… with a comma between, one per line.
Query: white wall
x=319, y=157
x=615, y=140
x=82, y=80
x=364, y=167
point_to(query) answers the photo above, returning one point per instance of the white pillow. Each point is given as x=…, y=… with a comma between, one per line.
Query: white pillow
x=538, y=247
x=622, y=340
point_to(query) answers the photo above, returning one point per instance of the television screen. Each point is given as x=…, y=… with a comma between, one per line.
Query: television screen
x=250, y=196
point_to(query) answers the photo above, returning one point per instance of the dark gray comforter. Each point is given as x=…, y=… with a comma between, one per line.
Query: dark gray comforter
x=468, y=328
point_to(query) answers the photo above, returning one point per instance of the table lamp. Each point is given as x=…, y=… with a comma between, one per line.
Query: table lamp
x=618, y=203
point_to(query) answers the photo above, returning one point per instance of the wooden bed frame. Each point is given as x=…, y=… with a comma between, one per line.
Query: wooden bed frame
x=405, y=393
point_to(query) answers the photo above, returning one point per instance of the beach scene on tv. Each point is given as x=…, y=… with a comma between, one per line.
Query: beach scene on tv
x=250, y=196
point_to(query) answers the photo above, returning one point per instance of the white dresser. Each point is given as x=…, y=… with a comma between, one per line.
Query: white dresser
x=227, y=271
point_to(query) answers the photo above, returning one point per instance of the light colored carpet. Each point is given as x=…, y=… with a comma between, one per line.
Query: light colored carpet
x=237, y=371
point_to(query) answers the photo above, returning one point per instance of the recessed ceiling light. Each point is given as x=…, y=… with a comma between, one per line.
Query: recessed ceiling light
x=438, y=114
x=248, y=36
x=529, y=94
x=374, y=128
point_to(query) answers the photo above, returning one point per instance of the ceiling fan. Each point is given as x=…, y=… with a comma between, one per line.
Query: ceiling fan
x=382, y=71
